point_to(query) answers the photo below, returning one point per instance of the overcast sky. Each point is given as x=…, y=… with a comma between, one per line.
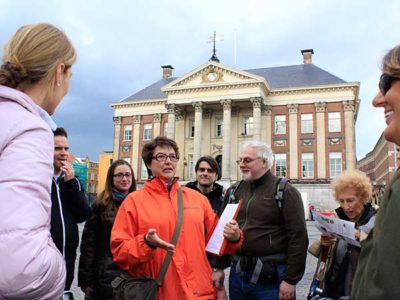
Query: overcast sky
x=122, y=44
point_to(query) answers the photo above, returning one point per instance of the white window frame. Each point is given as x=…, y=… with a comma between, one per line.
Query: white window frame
x=147, y=131
x=280, y=164
x=127, y=132
x=165, y=128
x=307, y=123
x=280, y=124
x=190, y=166
x=334, y=122
x=307, y=165
x=144, y=174
x=335, y=164
x=248, y=124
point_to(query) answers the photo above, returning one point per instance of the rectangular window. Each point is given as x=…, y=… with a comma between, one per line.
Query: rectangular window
x=335, y=164
x=334, y=122
x=218, y=127
x=191, y=128
x=144, y=174
x=127, y=132
x=307, y=161
x=280, y=124
x=280, y=164
x=147, y=131
x=306, y=123
x=190, y=166
x=165, y=129
x=247, y=126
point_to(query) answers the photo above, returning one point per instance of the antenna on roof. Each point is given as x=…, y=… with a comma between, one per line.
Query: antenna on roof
x=213, y=39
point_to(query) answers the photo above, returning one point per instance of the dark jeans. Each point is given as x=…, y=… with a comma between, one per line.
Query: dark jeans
x=240, y=287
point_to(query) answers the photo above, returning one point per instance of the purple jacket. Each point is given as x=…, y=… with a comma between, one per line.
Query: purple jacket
x=31, y=267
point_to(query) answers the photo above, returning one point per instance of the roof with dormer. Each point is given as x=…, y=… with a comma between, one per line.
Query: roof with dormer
x=304, y=75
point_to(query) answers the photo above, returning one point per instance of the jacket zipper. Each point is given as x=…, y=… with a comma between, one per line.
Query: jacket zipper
x=61, y=214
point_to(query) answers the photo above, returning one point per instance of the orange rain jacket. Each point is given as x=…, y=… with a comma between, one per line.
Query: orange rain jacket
x=189, y=273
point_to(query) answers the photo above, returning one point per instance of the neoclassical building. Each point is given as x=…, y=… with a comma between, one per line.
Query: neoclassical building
x=305, y=113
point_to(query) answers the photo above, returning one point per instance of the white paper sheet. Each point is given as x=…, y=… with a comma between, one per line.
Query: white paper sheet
x=336, y=227
x=214, y=245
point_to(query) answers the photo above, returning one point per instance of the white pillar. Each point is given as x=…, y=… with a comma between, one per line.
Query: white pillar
x=257, y=101
x=117, y=137
x=136, y=155
x=171, y=121
x=320, y=108
x=349, y=107
x=293, y=140
x=156, y=125
x=226, y=168
x=198, y=126
x=266, y=128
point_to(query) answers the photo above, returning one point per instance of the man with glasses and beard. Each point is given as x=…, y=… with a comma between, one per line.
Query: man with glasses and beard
x=272, y=258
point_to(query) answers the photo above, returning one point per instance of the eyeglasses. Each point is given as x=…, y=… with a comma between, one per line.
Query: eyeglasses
x=385, y=82
x=121, y=176
x=163, y=157
x=246, y=160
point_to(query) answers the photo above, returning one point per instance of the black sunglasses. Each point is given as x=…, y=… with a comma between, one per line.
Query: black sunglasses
x=385, y=82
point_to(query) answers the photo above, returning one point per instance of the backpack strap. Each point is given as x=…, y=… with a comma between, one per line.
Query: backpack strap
x=232, y=192
x=280, y=186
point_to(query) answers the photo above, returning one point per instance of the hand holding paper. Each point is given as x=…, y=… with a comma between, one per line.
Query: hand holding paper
x=232, y=231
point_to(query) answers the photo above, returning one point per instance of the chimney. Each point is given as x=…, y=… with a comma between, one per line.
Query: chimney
x=307, y=56
x=167, y=71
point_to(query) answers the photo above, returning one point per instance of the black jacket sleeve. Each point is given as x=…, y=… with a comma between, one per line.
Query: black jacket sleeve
x=74, y=197
x=87, y=271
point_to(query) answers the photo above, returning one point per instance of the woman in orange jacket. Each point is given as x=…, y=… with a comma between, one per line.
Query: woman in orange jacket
x=146, y=221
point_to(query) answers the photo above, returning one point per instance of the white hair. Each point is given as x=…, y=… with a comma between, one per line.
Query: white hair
x=263, y=150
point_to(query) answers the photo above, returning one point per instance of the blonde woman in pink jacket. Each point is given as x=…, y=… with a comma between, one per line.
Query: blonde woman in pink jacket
x=34, y=77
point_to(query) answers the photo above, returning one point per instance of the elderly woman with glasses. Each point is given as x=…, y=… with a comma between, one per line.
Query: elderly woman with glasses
x=353, y=191
x=96, y=266
x=146, y=221
x=378, y=275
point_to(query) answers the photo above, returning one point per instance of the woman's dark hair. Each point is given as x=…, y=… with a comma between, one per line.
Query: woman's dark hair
x=148, y=149
x=211, y=161
x=105, y=197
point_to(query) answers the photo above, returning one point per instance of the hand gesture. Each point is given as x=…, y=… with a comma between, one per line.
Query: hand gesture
x=67, y=170
x=154, y=240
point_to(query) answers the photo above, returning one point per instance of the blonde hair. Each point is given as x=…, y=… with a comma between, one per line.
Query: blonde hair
x=391, y=62
x=33, y=53
x=354, y=180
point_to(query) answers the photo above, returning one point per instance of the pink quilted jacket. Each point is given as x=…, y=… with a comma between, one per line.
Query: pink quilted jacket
x=31, y=267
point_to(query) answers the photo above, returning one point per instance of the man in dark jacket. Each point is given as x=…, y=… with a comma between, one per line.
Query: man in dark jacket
x=69, y=204
x=272, y=258
x=207, y=173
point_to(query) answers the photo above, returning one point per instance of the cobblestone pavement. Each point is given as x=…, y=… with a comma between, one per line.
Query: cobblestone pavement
x=302, y=286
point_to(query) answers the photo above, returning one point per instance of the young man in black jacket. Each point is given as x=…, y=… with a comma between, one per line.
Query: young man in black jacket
x=207, y=173
x=69, y=204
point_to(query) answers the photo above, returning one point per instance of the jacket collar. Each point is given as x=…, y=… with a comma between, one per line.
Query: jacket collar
x=159, y=185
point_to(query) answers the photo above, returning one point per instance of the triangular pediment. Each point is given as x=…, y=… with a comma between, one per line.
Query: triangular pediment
x=213, y=75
